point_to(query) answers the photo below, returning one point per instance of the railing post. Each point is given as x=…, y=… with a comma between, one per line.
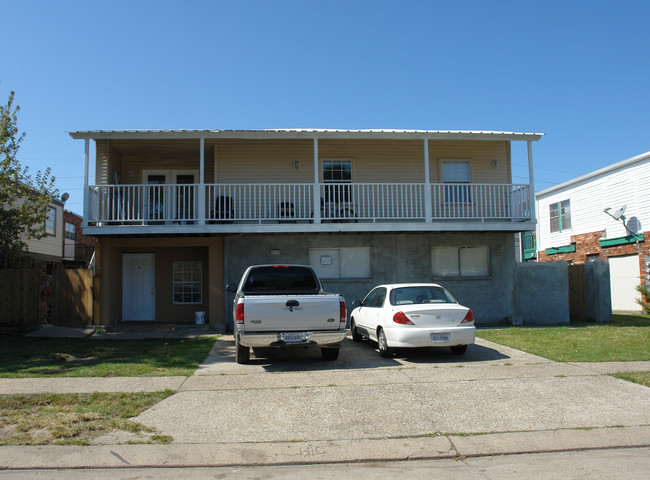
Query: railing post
x=316, y=197
x=428, y=208
x=201, y=209
x=531, y=181
x=86, y=195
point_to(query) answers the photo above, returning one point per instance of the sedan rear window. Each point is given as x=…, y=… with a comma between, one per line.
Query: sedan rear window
x=420, y=295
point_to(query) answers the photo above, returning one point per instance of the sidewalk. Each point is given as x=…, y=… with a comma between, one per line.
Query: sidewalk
x=297, y=409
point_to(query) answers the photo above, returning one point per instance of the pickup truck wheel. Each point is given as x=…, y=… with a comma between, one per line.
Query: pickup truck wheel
x=242, y=354
x=384, y=351
x=329, y=353
x=356, y=336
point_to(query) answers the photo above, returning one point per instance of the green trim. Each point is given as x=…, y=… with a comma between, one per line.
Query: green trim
x=614, y=242
x=566, y=249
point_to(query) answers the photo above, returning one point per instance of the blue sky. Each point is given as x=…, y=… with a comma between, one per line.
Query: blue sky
x=578, y=71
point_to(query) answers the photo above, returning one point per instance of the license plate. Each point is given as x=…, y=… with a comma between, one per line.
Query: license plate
x=290, y=337
x=439, y=337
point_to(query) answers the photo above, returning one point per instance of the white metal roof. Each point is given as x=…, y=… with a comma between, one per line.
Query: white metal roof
x=597, y=173
x=307, y=133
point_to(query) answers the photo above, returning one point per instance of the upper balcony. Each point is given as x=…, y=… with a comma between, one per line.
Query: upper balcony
x=182, y=208
x=244, y=181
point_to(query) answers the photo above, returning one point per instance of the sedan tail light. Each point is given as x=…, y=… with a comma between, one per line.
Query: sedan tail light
x=239, y=313
x=469, y=318
x=343, y=311
x=402, y=319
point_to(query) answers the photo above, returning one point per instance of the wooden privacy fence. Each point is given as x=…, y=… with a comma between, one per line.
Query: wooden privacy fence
x=73, y=297
x=20, y=297
x=25, y=298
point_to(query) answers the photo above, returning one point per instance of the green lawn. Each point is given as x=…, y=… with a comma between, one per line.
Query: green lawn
x=54, y=357
x=625, y=339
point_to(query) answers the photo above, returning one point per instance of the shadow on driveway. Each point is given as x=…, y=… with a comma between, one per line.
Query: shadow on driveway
x=353, y=356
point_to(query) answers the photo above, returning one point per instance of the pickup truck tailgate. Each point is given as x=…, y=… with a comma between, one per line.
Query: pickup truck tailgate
x=275, y=313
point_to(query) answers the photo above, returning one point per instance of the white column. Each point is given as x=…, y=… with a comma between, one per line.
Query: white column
x=428, y=209
x=316, y=184
x=531, y=181
x=86, y=208
x=201, y=210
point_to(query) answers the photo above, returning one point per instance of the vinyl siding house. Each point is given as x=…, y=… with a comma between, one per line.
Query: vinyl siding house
x=179, y=214
x=601, y=216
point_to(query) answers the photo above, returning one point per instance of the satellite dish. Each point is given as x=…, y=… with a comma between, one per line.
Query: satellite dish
x=633, y=226
x=618, y=214
x=64, y=197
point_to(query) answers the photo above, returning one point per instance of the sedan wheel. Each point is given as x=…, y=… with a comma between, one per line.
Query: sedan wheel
x=458, y=349
x=356, y=336
x=384, y=351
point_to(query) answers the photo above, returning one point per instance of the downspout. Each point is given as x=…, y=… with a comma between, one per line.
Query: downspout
x=531, y=180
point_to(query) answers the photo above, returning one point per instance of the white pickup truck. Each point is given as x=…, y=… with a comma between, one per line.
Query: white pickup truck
x=284, y=306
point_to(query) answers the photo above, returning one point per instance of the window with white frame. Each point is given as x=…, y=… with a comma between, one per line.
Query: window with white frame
x=456, y=172
x=560, y=213
x=50, y=221
x=187, y=282
x=351, y=262
x=459, y=261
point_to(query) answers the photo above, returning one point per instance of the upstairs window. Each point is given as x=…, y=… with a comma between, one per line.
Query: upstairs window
x=50, y=221
x=70, y=231
x=338, y=173
x=560, y=216
x=455, y=172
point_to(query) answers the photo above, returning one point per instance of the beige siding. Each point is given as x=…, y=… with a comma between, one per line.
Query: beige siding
x=274, y=161
x=270, y=161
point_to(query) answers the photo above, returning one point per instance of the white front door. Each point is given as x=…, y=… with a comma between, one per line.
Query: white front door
x=138, y=287
x=624, y=275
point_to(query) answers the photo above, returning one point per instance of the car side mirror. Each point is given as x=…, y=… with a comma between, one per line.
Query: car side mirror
x=231, y=288
x=357, y=303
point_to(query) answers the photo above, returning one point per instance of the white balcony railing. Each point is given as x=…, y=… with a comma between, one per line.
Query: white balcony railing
x=291, y=202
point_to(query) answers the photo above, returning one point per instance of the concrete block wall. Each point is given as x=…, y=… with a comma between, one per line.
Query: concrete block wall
x=394, y=257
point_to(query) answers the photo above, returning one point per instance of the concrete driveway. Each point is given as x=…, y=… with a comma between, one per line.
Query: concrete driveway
x=296, y=397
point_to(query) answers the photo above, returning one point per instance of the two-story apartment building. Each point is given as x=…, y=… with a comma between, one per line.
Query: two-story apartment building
x=601, y=215
x=179, y=214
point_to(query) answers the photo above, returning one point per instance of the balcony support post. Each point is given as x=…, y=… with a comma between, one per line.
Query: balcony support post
x=428, y=209
x=201, y=209
x=86, y=208
x=316, y=185
x=531, y=181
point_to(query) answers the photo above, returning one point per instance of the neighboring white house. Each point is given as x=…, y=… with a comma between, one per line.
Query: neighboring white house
x=601, y=215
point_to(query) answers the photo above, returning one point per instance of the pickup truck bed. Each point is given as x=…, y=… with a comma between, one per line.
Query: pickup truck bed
x=284, y=305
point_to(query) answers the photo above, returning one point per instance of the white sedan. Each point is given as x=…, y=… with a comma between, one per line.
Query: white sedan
x=407, y=315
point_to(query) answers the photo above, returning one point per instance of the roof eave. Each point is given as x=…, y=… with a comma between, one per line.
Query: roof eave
x=306, y=134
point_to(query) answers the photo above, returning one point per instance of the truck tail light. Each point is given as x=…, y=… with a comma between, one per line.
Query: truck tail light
x=469, y=318
x=344, y=311
x=239, y=313
x=402, y=319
